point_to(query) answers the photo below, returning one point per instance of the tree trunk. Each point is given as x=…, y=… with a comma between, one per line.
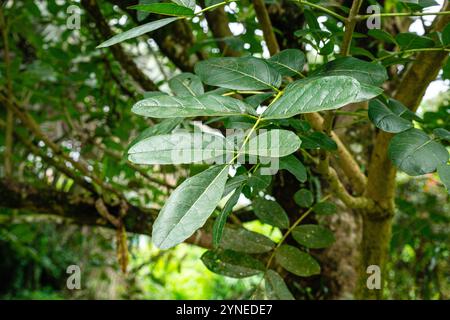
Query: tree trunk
x=376, y=237
x=339, y=262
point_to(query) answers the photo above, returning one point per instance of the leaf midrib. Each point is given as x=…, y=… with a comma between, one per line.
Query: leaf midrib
x=245, y=74
x=193, y=205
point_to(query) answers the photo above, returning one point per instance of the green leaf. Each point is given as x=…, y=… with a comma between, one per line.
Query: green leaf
x=170, y=9
x=149, y=94
x=141, y=15
x=164, y=127
x=294, y=166
x=365, y=72
x=446, y=70
x=381, y=35
x=164, y=106
x=256, y=99
x=316, y=33
x=270, y=212
x=232, y=264
x=234, y=183
x=274, y=143
x=318, y=140
x=288, y=62
x=221, y=220
x=242, y=240
x=313, y=236
x=186, y=84
x=246, y=73
x=299, y=125
x=398, y=108
x=314, y=94
x=312, y=22
x=325, y=208
x=409, y=41
x=357, y=51
x=276, y=289
x=367, y=92
x=418, y=5
x=136, y=32
x=259, y=181
x=446, y=35
x=442, y=133
x=185, y=3
x=178, y=148
x=189, y=206
x=304, y=198
x=443, y=171
x=327, y=48
x=296, y=261
x=415, y=153
x=387, y=118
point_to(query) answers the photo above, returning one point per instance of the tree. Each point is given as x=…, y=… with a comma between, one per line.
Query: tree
x=295, y=102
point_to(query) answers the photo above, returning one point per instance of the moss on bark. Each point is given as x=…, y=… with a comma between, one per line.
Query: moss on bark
x=374, y=251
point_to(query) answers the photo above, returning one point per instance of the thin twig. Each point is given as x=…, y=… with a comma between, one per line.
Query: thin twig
x=350, y=27
x=289, y=231
x=409, y=51
x=266, y=26
x=323, y=9
x=31, y=124
x=402, y=14
x=9, y=114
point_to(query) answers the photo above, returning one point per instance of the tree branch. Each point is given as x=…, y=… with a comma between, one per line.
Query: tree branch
x=410, y=91
x=174, y=40
x=127, y=91
x=119, y=54
x=344, y=158
x=139, y=169
x=29, y=122
x=342, y=193
x=218, y=24
x=266, y=26
x=60, y=166
x=350, y=27
x=9, y=115
x=402, y=14
x=81, y=210
x=323, y=9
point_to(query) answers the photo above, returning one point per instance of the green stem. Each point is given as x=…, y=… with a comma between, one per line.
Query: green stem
x=410, y=51
x=247, y=138
x=349, y=113
x=300, y=74
x=307, y=155
x=403, y=14
x=319, y=7
x=350, y=25
x=214, y=6
x=289, y=231
x=242, y=92
x=258, y=121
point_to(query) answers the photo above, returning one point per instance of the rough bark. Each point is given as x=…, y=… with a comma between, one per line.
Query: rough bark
x=381, y=173
x=339, y=262
x=81, y=209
